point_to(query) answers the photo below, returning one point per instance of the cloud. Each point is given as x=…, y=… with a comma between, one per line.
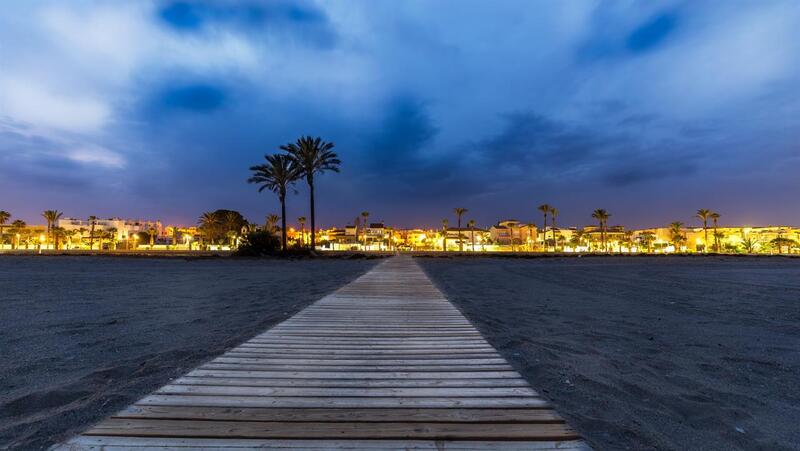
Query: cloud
x=652, y=33
x=197, y=97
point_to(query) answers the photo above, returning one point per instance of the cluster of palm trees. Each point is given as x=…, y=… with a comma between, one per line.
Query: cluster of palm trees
x=302, y=159
x=221, y=225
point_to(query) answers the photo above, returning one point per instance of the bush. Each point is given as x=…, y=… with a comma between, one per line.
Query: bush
x=258, y=243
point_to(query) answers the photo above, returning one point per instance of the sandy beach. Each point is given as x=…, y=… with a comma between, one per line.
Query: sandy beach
x=82, y=337
x=647, y=353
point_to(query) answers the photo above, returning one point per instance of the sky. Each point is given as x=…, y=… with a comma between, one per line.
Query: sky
x=648, y=109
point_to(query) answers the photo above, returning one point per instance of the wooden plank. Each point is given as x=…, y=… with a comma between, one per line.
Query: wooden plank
x=460, y=392
x=357, y=374
x=307, y=430
x=345, y=383
x=350, y=403
x=343, y=415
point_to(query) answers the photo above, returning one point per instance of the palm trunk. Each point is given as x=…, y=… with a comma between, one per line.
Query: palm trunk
x=283, y=222
x=544, y=233
x=705, y=237
x=460, y=244
x=472, y=238
x=313, y=223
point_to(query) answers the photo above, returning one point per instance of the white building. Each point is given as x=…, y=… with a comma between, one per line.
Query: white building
x=124, y=227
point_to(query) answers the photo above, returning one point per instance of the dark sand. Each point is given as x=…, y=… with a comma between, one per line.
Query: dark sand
x=647, y=353
x=82, y=337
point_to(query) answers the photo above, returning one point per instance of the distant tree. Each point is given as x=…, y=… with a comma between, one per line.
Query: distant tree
x=92, y=225
x=676, y=235
x=602, y=218
x=272, y=222
x=4, y=217
x=302, y=221
x=151, y=233
x=780, y=243
x=17, y=227
x=646, y=240
x=704, y=214
x=277, y=175
x=545, y=209
x=715, y=217
x=312, y=156
x=51, y=216
x=471, y=225
x=445, y=223
x=58, y=234
x=365, y=215
x=111, y=235
x=750, y=244
x=460, y=212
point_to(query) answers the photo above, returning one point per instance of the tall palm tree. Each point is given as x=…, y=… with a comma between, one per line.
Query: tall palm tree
x=445, y=223
x=676, y=234
x=545, y=209
x=704, y=214
x=4, y=217
x=365, y=215
x=272, y=222
x=302, y=221
x=92, y=224
x=459, y=212
x=602, y=217
x=715, y=217
x=471, y=225
x=277, y=174
x=553, y=216
x=313, y=156
x=51, y=216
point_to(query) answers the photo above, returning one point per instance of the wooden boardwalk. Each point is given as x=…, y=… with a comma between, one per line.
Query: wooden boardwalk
x=385, y=362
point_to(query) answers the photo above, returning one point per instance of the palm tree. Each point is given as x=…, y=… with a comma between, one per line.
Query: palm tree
x=277, y=174
x=553, y=215
x=471, y=225
x=111, y=234
x=302, y=221
x=209, y=222
x=58, y=233
x=704, y=214
x=272, y=222
x=459, y=212
x=715, y=217
x=16, y=228
x=152, y=234
x=544, y=208
x=646, y=239
x=749, y=243
x=4, y=217
x=312, y=156
x=92, y=224
x=51, y=216
x=365, y=215
x=602, y=217
x=445, y=223
x=676, y=234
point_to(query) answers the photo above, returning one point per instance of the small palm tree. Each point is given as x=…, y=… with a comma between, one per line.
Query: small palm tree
x=602, y=218
x=16, y=228
x=209, y=222
x=272, y=222
x=646, y=239
x=715, y=217
x=704, y=214
x=471, y=225
x=111, y=234
x=553, y=216
x=58, y=234
x=365, y=215
x=676, y=235
x=277, y=175
x=312, y=156
x=460, y=212
x=4, y=217
x=92, y=225
x=302, y=221
x=545, y=209
x=151, y=232
x=51, y=216
x=445, y=223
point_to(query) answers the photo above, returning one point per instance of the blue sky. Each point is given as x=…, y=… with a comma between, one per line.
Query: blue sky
x=649, y=109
